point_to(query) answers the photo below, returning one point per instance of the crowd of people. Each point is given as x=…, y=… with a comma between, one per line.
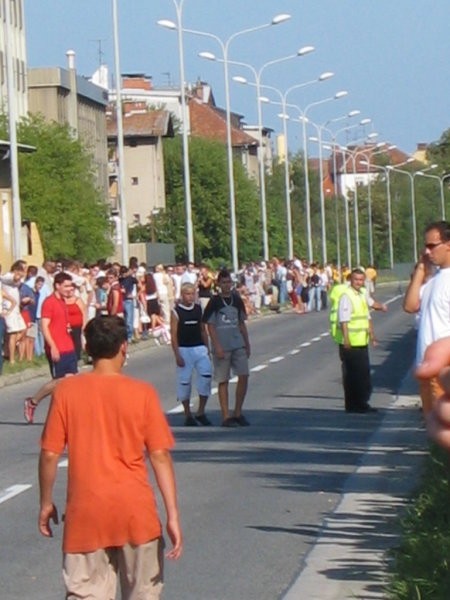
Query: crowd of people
x=144, y=296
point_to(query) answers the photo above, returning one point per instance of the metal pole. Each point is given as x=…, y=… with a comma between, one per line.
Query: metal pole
x=369, y=210
x=13, y=151
x=185, y=136
x=347, y=216
x=413, y=215
x=336, y=211
x=307, y=193
x=262, y=172
x=120, y=148
x=389, y=211
x=322, y=202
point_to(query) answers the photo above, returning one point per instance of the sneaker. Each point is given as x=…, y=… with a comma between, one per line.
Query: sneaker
x=241, y=421
x=28, y=410
x=203, y=420
x=230, y=422
x=190, y=422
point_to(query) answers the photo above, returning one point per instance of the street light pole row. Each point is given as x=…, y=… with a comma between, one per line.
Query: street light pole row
x=224, y=46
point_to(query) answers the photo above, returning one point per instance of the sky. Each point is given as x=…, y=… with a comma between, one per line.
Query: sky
x=392, y=56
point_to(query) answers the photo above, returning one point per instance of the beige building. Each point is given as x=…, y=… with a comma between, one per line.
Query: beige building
x=63, y=96
x=16, y=49
x=144, y=185
x=31, y=245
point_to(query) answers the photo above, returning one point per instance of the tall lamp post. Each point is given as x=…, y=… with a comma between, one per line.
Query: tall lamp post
x=283, y=99
x=261, y=164
x=179, y=4
x=441, y=188
x=319, y=129
x=304, y=112
x=120, y=148
x=224, y=46
x=387, y=173
x=367, y=162
x=13, y=147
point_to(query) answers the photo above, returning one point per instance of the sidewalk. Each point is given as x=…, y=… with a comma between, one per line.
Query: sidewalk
x=349, y=558
x=34, y=372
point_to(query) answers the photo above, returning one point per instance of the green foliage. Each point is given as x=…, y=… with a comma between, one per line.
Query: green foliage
x=58, y=192
x=421, y=563
x=210, y=204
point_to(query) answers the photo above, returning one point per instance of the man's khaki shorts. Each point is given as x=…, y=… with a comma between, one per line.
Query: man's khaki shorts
x=95, y=574
x=236, y=360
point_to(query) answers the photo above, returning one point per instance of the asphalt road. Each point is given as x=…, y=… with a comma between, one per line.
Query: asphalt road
x=253, y=500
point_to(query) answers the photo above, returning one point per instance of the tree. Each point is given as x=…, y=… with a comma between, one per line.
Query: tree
x=57, y=189
x=210, y=204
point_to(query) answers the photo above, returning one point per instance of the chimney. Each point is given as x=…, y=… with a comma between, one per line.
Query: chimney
x=70, y=59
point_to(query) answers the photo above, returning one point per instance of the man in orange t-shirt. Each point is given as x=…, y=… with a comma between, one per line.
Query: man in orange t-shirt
x=106, y=420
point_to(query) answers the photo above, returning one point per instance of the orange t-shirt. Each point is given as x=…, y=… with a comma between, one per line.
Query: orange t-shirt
x=106, y=422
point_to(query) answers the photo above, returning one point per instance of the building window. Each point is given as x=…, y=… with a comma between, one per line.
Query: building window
x=135, y=181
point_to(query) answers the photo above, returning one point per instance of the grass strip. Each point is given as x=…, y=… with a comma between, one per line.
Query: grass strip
x=420, y=566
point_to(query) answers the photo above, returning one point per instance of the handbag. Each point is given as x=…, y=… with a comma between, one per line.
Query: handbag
x=143, y=316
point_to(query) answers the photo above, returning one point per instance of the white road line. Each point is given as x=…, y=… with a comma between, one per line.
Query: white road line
x=394, y=299
x=305, y=344
x=325, y=334
x=13, y=490
x=294, y=351
x=316, y=339
x=233, y=379
x=276, y=359
x=258, y=368
x=64, y=463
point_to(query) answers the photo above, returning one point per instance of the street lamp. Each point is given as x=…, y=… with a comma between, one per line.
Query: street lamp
x=257, y=75
x=120, y=148
x=283, y=98
x=387, y=173
x=184, y=133
x=320, y=129
x=413, y=201
x=224, y=46
x=364, y=153
x=303, y=118
x=441, y=187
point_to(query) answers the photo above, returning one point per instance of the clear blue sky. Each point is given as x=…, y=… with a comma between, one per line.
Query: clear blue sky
x=391, y=55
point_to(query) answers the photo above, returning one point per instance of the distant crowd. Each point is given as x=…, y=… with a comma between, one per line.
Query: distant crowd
x=145, y=296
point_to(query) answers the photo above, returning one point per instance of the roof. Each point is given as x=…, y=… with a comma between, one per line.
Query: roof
x=210, y=123
x=154, y=123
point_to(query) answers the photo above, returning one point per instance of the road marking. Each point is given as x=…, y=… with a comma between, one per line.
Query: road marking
x=294, y=351
x=64, y=463
x=258, y=368
x=316, y=339
x=305, y=345
x=276, y=359
x=233, y=379
x=13, y=490
x=325, y=334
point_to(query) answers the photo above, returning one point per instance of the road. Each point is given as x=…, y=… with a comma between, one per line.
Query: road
x=253, y=500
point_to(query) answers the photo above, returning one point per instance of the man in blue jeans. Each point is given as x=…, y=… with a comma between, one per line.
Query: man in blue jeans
x=128, y=283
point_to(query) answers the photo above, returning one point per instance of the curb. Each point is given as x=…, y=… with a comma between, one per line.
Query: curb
x=349, y=559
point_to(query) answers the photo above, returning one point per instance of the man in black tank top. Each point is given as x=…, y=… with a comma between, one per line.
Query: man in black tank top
x=190, y=347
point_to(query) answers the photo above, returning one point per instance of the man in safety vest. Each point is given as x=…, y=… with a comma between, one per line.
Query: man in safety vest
x=353, y=332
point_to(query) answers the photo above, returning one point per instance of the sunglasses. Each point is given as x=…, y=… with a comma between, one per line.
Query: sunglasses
x=432, y=246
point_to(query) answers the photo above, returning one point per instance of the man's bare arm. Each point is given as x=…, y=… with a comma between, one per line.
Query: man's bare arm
x=161, y=462
x=48, y=465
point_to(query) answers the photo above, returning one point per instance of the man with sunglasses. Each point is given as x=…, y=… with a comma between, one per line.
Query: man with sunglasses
x=429, y=295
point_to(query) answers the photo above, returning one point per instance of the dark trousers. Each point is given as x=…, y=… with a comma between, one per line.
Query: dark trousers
x=355, y=376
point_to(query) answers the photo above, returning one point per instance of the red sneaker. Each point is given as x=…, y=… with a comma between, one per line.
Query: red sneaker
x=28, y=410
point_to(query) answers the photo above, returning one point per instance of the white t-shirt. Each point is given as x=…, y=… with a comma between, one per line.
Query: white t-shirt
x=434, y=321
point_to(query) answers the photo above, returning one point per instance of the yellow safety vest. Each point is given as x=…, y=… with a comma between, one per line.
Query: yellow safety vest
x=335, y=294
x=358, y=326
